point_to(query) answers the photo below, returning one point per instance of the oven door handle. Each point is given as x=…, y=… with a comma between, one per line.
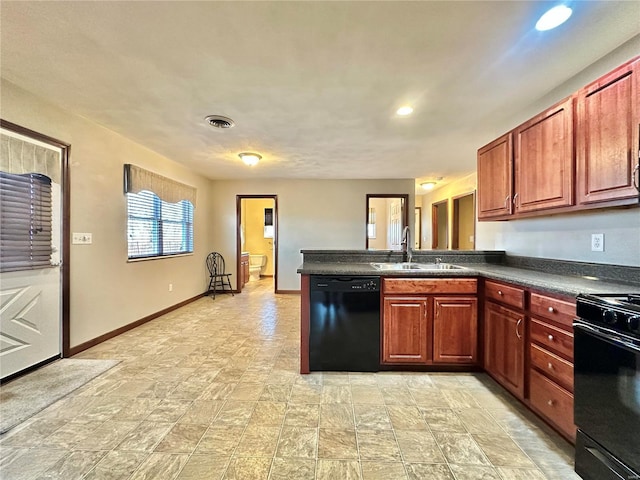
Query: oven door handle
x=608, y=336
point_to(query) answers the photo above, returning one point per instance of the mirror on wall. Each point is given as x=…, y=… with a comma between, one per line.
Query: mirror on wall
x=386, y=217
x=464, y=224
x=439, y=225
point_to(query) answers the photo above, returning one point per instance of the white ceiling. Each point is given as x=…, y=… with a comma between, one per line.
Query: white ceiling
x=312, y=86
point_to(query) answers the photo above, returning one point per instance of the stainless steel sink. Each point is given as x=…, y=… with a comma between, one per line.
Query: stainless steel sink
x=414, y=267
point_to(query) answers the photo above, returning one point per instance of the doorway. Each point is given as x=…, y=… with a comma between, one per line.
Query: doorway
x=257, y=235
x=439, y=225
x=464, y=222
x=385, y=219
x=34, y=260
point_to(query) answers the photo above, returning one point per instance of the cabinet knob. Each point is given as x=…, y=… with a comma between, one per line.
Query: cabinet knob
x=550, y=337
x=499, y=292
x=550, y=365
x=551, y=310
x=550, y=403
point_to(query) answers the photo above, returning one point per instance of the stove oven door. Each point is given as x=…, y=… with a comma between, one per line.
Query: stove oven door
x=607, y=400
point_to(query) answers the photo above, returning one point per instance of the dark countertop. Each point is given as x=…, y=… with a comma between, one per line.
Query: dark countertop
x=570, y=285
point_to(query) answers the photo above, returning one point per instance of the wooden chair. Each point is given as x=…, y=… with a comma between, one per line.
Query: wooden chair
x=218, y=279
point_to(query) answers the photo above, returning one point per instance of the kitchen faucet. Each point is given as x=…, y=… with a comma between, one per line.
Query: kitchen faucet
x=407, y=254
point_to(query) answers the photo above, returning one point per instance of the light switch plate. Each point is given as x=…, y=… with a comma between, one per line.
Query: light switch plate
x=81, y=238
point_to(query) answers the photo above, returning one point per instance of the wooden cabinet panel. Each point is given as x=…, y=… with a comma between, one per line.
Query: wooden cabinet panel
x=560, y=311
x=508, y=294
x=244, y=268
x=552, y=366
x=425, y=286
x=608, y=114
x=504, y=346
x=405, y=330
x=552, y=338
x=455, y=330
x=495, y=178
x=552, y=401
x=543, y=160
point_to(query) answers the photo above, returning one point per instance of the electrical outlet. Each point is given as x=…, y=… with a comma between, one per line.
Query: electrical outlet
x=81, y=238
x=171, y=287
x=597, y=242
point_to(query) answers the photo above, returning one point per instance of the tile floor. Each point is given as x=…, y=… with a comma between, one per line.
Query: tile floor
x=212, y=391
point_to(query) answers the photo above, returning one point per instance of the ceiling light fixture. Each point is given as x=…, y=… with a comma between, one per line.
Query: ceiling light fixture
x=249, y=158
x=404, y=111
x=554, y=17
x=218, y=121
x=428, y=185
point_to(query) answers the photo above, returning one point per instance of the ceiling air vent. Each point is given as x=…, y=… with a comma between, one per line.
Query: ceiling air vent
x=218, y=121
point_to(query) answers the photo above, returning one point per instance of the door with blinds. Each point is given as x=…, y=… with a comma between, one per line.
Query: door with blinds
x=31, y=219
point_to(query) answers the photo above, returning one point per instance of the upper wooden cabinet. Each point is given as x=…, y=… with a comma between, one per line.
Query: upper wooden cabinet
x=608, y=118
x=543, y=160
x=495, y=178
x=581, y=153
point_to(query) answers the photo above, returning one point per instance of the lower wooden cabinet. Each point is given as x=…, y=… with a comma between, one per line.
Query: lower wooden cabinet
x=455, y=330
x=429, y=321
x=504, y=346
x=405, y=330
x=244, y=269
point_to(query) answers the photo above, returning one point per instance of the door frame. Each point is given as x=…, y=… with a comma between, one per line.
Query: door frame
x=435, y=226
x=405, y=210
x=65, y=150
x=239, y=199
x=455, y=241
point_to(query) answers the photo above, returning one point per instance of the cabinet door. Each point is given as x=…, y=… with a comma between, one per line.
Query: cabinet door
x=504, y=346
x=543, y=160
x=495, y=178
x=608, y=114
x=405, y=332
x=455, y=330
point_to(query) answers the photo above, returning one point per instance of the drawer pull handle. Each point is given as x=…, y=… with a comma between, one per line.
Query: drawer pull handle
x=550, y=365
x=499, y=292
x=550, y=403
x=551, y=310
x=550, y=337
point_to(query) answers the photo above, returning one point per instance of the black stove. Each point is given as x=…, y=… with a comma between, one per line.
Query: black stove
x=607, y=386
x=617, y=312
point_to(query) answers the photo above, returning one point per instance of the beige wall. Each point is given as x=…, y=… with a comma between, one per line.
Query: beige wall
x=107, y=292
x=255, y=243
x=312, y=214
x=466, y=220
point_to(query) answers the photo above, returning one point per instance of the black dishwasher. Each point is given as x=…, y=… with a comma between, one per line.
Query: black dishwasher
x=344, y=330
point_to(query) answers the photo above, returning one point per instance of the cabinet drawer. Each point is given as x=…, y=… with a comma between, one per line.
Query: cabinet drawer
x=554, y=367
x=552, y=401
x=560, y=311
x=552, y=338
x=508, y=294
x=429, y=285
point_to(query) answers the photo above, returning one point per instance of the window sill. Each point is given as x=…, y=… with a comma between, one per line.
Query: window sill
x=161, y=257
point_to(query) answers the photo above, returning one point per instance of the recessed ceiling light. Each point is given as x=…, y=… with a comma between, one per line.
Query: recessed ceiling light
x=250, y=158
x=218, y=121
x=404, y=111
x=554, y=17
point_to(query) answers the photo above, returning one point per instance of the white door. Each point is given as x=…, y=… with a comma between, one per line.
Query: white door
x=30, y=300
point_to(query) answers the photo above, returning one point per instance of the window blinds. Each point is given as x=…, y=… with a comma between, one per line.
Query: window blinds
x=26, y=221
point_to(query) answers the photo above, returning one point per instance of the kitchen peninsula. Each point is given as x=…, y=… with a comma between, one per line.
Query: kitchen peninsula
x=483, y=310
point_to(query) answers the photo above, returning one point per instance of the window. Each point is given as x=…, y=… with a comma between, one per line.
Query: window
x=160, y=214
x=26, y=221
x=158, y=228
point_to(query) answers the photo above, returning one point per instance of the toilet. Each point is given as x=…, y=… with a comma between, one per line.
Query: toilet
x=256, y=266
